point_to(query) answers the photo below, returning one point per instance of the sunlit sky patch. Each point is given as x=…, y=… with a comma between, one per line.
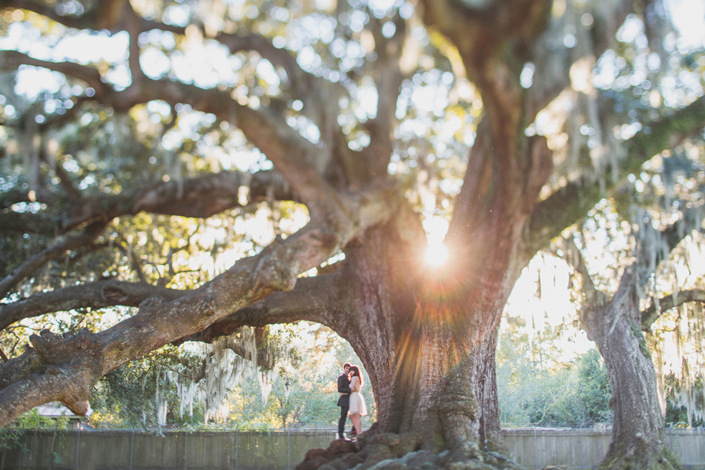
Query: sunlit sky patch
x=689, y=18
x=436, y=227
x=541, y=297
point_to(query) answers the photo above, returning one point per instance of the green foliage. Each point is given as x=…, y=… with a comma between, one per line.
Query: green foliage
x=595, y=391
x=685, y=403
x=11, y=436
x=572, y=395
x=304, y=394
x=125, y=398
x=33, y=420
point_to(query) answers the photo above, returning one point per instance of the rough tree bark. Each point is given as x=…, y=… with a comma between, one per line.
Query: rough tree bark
x=615, y=324
x=427, y=338
x=638, y=426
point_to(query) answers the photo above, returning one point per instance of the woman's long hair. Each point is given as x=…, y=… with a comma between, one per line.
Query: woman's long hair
x=355, y=371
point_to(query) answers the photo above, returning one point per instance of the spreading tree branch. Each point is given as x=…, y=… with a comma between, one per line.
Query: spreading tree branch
x=296, y=158
x=659, y=306
x=116, y=15
x=50, y=253
x=571, y=203
x=13, y=59
x=593, y=298
x=315, y=92
x=552, y=65
x=104, y=15
x=310, y=300
x=298, y=78
x=492, y=39
x=199, y=197
x=67, y=367
x=92, y=295
x=388, y=80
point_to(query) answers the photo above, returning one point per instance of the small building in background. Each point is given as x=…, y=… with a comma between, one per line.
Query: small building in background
x=56, y=410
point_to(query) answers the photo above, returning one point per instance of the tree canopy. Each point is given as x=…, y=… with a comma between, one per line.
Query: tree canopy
x=195, y=167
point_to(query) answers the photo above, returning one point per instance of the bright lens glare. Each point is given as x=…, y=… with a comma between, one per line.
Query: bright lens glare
x=436, y=254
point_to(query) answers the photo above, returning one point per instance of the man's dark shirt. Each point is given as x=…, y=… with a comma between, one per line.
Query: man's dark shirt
x=344, y=387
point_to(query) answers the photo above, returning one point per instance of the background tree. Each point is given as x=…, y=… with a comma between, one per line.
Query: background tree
x=615, y=322
x=304, y=95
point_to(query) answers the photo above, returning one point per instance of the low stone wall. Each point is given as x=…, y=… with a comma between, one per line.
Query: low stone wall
x=280, y=450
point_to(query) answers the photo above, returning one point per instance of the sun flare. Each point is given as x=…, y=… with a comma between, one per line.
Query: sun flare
x=436, y=254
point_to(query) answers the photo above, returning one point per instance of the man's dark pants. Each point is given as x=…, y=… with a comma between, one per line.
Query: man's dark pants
x=343, y=418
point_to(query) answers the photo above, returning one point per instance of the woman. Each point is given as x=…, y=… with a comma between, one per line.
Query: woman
x=357, y=401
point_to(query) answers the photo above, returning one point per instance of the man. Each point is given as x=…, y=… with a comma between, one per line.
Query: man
x=344, y=400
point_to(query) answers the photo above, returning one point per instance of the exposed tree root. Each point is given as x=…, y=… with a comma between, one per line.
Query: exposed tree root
x=388, y=451
x=640, y=457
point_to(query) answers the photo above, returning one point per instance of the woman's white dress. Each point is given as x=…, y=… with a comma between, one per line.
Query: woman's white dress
x=357, y=401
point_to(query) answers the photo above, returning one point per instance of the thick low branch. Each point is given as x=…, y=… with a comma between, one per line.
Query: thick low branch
x=81, y=360
x=94, y=295
x=264, y=359
x=309, y=300
x=211, y=194
x=664, y=304
x=570, y=203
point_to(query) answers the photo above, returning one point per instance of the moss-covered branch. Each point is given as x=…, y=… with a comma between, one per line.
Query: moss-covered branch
x=570, y=203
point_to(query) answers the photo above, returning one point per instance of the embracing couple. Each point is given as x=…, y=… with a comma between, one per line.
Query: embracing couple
x=351, y=401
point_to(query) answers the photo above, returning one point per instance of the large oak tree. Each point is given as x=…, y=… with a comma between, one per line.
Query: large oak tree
x=426, y=336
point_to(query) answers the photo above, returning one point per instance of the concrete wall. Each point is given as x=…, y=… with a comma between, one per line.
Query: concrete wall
x=279, y=450
x=585, y=448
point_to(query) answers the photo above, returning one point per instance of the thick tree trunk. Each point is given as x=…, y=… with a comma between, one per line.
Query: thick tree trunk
x=638, y=426
x=429, y=381
x=427, y=338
